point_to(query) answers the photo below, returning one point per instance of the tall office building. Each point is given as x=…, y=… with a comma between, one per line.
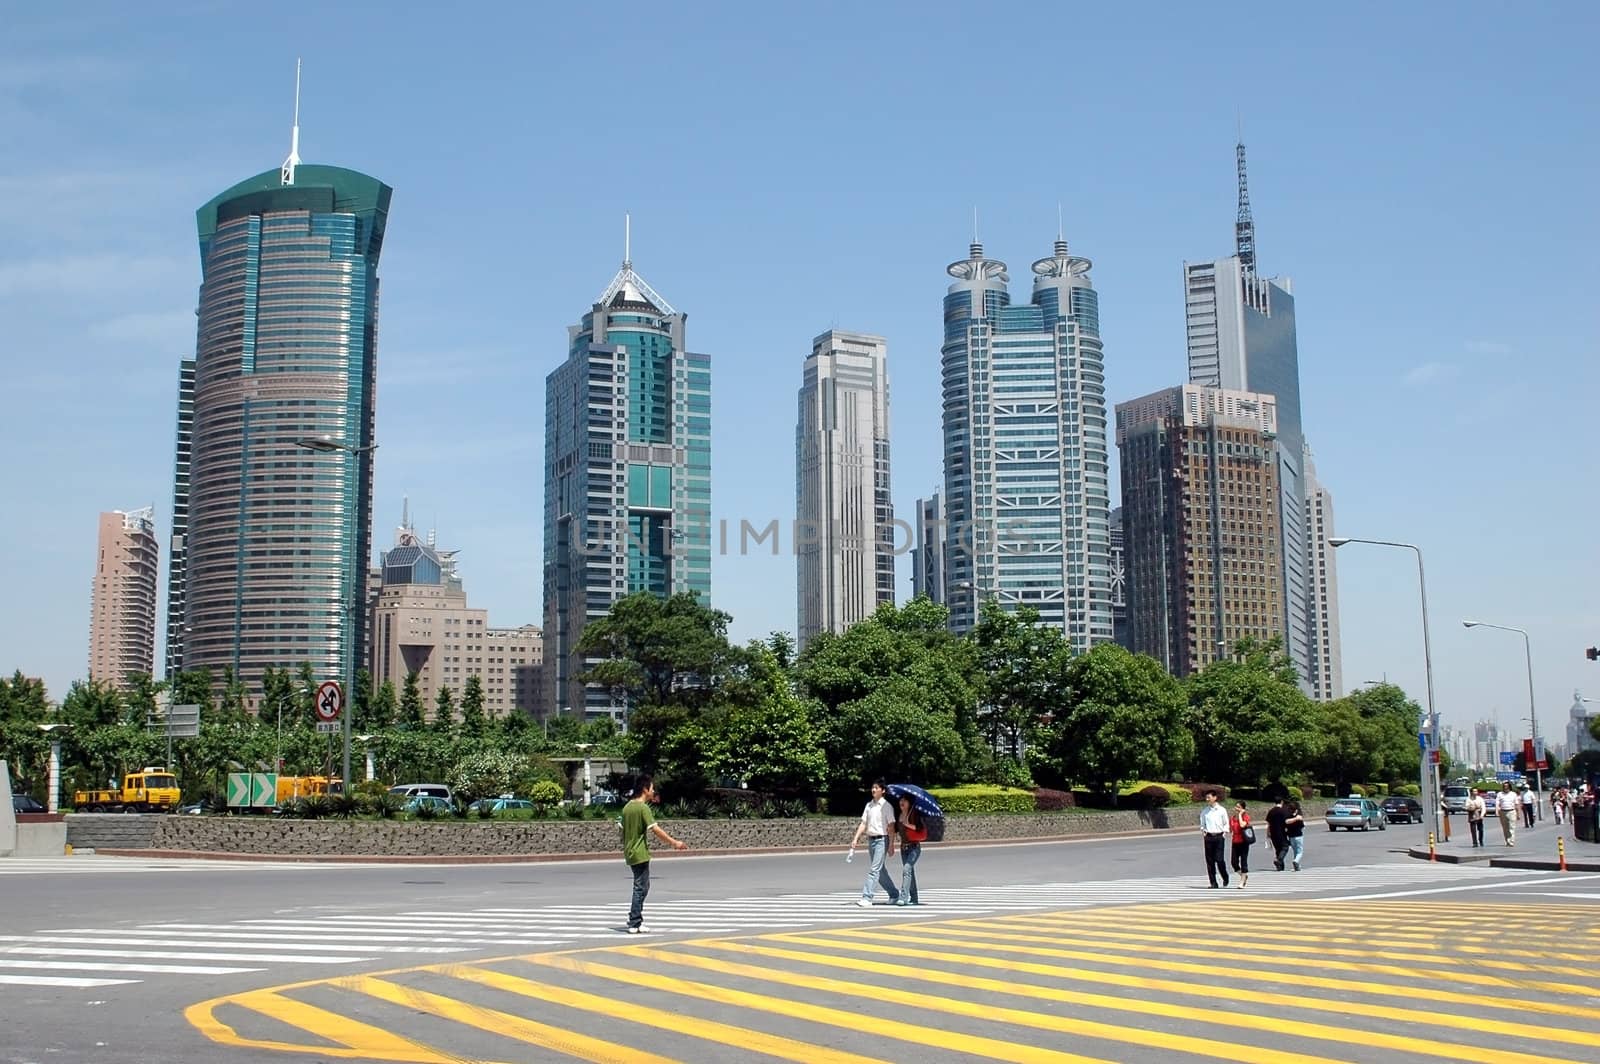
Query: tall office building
x=844, y=516
x=1241, y=336
x=1119, y=582
x=1322, y=591
x=270, y=537
x=421, y=624
x=927, y=556
x=1025, y=461
x=1200, y=499
x=627, y=482
x=122, y=610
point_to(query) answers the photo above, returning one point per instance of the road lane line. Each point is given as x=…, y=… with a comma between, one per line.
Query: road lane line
x=1566, y=877
x=356, y=1040
x=1191, y=1013
x=551, y=1037
x=974, y=1046
x=59, y=980
x=177, y=955
x=868, y=943
x=101, y=966
x=130, y=939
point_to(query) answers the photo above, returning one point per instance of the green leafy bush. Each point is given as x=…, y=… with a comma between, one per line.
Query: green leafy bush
x=1406, y=790
x=1308, y=792
x=1155, y=796
x=978, y=799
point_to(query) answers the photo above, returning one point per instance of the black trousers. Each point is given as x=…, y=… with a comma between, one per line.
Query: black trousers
x=1216, y=864
x=1280, y=852
x=1241, y=857
x=1527, y=815
x=1476, y=828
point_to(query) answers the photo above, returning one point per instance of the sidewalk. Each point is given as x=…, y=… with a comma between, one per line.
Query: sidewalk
x=1535, y=849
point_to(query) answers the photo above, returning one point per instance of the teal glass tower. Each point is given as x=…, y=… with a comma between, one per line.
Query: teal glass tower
x=627, y=480
x=270, y=537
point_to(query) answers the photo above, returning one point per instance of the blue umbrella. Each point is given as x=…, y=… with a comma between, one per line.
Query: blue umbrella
x=923, y=802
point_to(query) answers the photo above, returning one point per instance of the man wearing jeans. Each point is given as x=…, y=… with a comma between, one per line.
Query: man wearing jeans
x=877, y=824
x=637, y=822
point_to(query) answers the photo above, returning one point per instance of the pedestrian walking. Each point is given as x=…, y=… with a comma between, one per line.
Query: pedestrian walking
x=913, y=833
x=877, y=824
x=1244, y=835
x=1506, y=805
x=1278, y=832
x=1558, y=805
x=1530, y=805
x=1294, y=825
x=637, y=823
x=1477, y=809
x=1214, y=826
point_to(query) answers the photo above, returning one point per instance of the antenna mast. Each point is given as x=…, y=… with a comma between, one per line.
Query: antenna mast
x=287, y=175
x=1244, y=229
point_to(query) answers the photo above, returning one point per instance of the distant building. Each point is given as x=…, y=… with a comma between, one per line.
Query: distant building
x=927, y=557
x=844, y=515
x=627, y=477
x=422, y=624
x=122, y=611
x=1119, y=583
x=1579, y=738
x=1200, y=522
x=1325, y=657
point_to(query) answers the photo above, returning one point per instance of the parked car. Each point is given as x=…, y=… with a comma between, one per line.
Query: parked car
x=1355, y=812
x=440, y=806
x=411, y=790
x=491, y=806
x=26, y=803
x=1399, y=810
x=1454, y=798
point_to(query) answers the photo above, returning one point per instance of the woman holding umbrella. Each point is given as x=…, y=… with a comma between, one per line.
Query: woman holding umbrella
x=912, y=835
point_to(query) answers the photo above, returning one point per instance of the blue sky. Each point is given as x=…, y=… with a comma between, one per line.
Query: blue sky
x=1424, y=173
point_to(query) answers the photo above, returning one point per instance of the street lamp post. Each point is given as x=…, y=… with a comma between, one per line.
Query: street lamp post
x=327, y=445
x=53, y=799
x=584, y=748
x=1429, y=781
x=1533, y=716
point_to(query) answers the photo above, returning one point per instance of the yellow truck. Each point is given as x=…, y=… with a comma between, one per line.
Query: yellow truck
x=292, y=787
x=150, y=790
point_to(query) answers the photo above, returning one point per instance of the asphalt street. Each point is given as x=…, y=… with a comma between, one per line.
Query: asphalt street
x=1102, y=949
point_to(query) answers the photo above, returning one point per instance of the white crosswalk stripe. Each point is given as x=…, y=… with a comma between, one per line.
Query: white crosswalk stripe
x=98, y=864
x=351, y=936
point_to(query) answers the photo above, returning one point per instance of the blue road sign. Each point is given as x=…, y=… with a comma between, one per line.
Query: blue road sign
x=1508, y=757
x=1508, y=777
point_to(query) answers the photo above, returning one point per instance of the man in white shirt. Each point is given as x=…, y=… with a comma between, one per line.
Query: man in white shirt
x=1506, y=804
x=1530, y=802
x=1477, y=808
x=877, y=824
x=1214, y=825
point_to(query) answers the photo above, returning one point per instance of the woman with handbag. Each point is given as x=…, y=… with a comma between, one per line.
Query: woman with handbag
x=1243, y=836
x=913, y=833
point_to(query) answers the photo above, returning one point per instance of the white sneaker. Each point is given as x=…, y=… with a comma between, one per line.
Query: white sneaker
x=640, y=930
x=863, y=903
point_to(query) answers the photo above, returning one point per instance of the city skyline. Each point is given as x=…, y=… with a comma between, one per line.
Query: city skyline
x=1395, y=337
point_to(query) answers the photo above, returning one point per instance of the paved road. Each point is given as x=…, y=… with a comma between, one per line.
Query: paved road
x=1095, y=950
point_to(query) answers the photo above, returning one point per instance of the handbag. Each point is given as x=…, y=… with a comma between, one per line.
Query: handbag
x=1248, y=834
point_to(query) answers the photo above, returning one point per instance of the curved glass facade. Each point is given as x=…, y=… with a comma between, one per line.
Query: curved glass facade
x=277, y=535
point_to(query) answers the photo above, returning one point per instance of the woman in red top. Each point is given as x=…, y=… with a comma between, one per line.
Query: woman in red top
x=912, y=835
x=1243, y=836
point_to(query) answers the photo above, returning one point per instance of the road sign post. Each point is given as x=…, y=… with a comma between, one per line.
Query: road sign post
x=330, y=701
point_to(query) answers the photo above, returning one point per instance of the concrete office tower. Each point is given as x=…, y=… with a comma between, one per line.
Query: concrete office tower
x=271, y=539
x=122, y=610
x=1200, y=499
x=1322, y=591
x=844, y=516
x=927, y=557
x=1025, y=460
x=1241, y=336
x=422, y=624
x=627, y=480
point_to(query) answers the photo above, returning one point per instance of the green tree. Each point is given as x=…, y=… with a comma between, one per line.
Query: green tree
x=1392, y=720
x=23, y=707
x=1123, y=717
x=1250, y=719
x=444, y=711
x=891, y=734
x=485, y=774
x=658, y=651
x=771, y=744
x=381, y=713
x=305, y=695
x=91, y=704
x=194, y=687
x=411, y=711
x=233, y=694
x=1020, y=668
x=277, y=690
x=1582, y=765
x=361, y=700
x=1349, y=748
x=473, y=722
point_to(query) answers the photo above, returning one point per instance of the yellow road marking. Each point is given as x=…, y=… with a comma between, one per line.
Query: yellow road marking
x=1558, y=1008
x=972, y=1045
x=357, y=1040
x=571, y=1043
x=677, y=1022
x=867, y=942
x=1213, y=1015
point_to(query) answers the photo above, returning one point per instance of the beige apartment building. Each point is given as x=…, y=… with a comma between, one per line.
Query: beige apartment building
x=421, y=623
x=122, y=609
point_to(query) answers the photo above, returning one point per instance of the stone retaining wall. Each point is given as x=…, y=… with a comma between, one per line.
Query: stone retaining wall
x=336, y=838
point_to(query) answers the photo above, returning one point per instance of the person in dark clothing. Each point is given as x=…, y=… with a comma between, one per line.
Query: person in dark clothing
x=1294, y=825
x=1278, y=833
x=1214, y=826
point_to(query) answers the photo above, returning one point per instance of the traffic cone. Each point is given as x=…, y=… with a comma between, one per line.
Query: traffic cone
x=1433, y=854
x=1561, y=852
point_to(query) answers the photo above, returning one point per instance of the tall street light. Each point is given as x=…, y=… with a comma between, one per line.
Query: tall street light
x=1533, y=717
x=1429, y=779
x=327, y=445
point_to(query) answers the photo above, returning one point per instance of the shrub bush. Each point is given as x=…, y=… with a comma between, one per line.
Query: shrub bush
x=1181, y=796
x=978, y=799
x=1407, y=790
x=1154, y=796
x=1046, y=800
x=1357, y=790
x=1308, y=792
x=1197, y=791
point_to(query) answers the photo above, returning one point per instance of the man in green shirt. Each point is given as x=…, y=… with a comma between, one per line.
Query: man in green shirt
x=637, y=822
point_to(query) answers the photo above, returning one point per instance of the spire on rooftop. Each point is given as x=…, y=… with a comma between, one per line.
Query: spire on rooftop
x=627, y=286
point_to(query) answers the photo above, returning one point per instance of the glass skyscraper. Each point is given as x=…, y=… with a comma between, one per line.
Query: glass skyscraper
x=1026, y=491
x=627, y=480
x=270, y=539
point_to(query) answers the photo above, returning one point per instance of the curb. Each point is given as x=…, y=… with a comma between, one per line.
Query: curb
x=1527, y=864
x=598, y=855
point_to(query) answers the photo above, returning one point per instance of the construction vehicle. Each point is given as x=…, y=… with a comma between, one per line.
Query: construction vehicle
x=150, y=790
x=292, y=787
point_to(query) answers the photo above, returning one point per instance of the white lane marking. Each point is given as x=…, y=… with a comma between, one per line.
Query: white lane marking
x=59, y=980
x=102, y=966
x=1567, y=877
x=238, y=942
x=178, y=955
